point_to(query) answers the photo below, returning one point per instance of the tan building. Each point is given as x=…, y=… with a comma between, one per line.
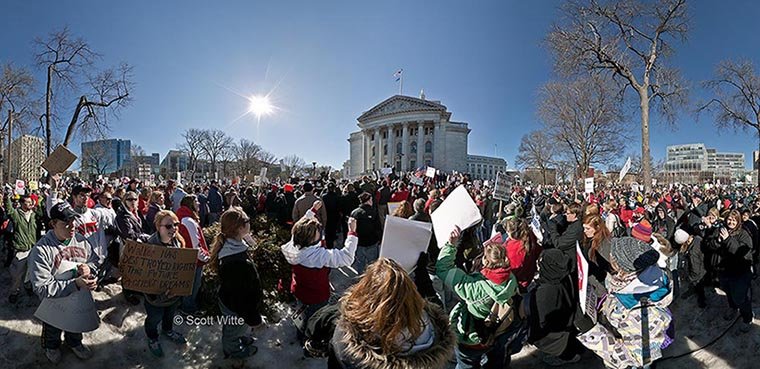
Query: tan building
x=27, y=154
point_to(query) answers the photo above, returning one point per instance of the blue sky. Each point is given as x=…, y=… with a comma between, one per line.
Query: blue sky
x=329, y=61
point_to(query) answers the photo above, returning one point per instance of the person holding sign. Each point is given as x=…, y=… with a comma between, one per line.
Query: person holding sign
x=24, y=236
x=240, y=292
x=312, y=261
x=485, y=320
x=161, y=308
x=61, y=264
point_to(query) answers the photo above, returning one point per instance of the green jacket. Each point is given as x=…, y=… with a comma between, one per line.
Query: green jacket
x=478, y=294
x=25, y=233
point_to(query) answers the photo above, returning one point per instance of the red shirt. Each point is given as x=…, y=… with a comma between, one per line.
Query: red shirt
x=399, y=196
x=523, y=265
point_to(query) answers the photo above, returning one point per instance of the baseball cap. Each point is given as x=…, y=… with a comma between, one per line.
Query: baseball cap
x=62, y=211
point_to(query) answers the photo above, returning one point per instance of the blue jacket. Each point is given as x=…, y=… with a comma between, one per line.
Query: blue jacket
x=215, y=200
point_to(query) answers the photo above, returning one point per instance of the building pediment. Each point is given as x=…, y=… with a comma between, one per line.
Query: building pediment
x=399, y=104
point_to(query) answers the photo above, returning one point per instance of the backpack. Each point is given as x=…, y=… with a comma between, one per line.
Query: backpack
x=618, y=230
x=495, y=324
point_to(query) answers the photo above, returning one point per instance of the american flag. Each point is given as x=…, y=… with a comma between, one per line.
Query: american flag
x=398, y=74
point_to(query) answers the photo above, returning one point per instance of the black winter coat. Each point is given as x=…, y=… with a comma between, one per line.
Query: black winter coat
x=240, y=287
x=368, y=227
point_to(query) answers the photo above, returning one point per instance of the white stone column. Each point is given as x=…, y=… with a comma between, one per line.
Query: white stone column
x=420, y=144
x=391, y=158
x=368, y=150
x=379, y=147
x=405, y=146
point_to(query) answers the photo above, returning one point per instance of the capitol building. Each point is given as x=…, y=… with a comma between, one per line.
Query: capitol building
x=407, y=133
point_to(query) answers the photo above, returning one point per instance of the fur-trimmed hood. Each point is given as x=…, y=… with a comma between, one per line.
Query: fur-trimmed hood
x=356, y=353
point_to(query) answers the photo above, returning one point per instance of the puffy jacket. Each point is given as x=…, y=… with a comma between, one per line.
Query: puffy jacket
x=477, y=292
x=24, y=232
x=192, y=233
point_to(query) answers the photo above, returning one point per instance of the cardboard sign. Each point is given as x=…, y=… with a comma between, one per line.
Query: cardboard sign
x=457, y=210
x=157, y=269
x=589, y=185
x=501, y=187
x=59, y=161
x=430, y=172
x=404, y=240
x=74, y=313
x=263, y=172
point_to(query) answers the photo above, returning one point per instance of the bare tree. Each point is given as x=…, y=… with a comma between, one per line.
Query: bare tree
x=266, y=158
x=537, y=151
x=247, y=155
x=137, y=150
x=584, y=119
x=736, y=101
x=96, y=161
x=292, y=163
x=109, y=93
x=192, y=146
x=627, y=40
x=65, y=58
x=213, y=144
x=16, y=85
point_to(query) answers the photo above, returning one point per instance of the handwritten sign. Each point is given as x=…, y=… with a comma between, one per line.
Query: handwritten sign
x=76, y=312
x=430, y=172
x=158, y=269
x=417, y=181
x=501, y=187
x=588, y=185
x=59, y=161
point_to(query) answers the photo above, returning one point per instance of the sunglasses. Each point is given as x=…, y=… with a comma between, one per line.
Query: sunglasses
x=170, y=226
x=131, y=199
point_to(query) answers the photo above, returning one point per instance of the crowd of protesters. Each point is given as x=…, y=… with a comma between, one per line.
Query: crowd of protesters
x=508, y=281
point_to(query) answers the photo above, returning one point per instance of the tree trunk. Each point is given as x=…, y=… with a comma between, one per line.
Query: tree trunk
x=758, y=159
x=646, y=165
x=48, y=99
x=74, y=119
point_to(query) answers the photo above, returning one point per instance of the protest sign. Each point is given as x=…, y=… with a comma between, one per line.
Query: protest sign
x=76, y=312
x=263, y=172
x=501, y=187
x=404, y=240
x=586, y=295
x=589, y=185
x=417, y=181
x=457, y=210
x=20, y=187
x=59, y=161
x=430, y=172
x=386, y=171
x=157, y=269
x=625, y=169
x=392, y=206
x=34, y=186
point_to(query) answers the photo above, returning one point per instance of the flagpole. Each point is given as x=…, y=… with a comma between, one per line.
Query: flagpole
x=401, y=85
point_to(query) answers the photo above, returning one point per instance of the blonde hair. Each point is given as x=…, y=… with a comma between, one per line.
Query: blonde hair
x=404, y=210
x=160, y=216
x=383, y=306
x=155, y=195
x=495, y=256
x=304, y=231
x=230, y=223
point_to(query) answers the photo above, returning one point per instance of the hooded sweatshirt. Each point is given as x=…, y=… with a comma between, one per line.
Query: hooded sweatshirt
x=92, y=224
x=310, y=282
x=240, y=286
x=192, y=233
x=46, y=258
x=478, y=293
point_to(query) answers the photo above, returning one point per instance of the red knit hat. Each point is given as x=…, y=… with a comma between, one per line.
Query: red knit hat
x=642, y=231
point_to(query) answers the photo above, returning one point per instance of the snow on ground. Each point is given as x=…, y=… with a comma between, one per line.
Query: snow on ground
x=120, y=341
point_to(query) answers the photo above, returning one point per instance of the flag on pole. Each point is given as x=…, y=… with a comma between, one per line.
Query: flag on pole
x=625, y=169
x=398, y=74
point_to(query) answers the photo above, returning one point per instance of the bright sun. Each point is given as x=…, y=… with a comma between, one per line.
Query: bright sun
x=260, y=105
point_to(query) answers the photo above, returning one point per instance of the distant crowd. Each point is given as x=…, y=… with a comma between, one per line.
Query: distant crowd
x=509, y=281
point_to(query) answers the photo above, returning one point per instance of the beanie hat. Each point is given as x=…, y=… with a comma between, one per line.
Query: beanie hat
x=681, y=236
x=642, y=231
x=633, y=255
